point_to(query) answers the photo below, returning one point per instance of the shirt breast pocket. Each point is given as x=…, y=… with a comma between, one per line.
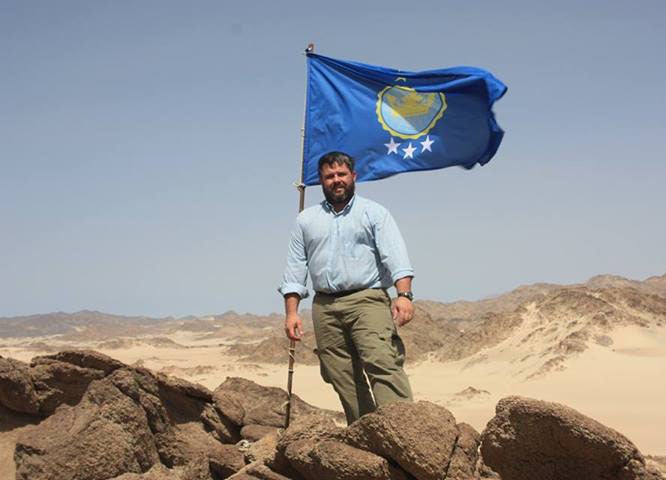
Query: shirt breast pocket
x=354, y=245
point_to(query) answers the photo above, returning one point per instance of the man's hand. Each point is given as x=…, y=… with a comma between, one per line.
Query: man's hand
x=293, y=326
x=403, y=311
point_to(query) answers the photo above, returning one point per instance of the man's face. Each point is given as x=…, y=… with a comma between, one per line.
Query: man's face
x=337, y=182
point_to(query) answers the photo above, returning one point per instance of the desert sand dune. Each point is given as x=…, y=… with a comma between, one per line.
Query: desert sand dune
x=599, y=347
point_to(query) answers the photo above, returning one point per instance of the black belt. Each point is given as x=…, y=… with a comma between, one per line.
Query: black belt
x=344, y=293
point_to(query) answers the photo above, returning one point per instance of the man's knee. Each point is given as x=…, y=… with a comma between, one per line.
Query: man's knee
x=383, y=352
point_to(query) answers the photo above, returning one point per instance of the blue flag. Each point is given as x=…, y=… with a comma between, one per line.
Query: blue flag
x=392, y=121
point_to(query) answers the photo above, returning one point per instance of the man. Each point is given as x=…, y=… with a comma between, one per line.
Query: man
x=353, y=251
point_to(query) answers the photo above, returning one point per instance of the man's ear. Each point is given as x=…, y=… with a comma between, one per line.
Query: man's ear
x=354, y=176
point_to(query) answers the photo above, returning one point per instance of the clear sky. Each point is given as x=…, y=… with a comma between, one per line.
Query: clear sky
x=148, y=148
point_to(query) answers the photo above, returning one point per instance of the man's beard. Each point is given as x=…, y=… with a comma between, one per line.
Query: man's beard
x=339, y=198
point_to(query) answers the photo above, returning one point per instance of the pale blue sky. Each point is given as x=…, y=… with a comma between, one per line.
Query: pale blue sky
x=148, y=148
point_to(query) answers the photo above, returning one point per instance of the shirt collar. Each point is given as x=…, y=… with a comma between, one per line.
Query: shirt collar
x=328, y=207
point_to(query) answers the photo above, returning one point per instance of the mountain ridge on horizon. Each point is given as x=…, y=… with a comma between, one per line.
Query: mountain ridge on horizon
x=598, y=281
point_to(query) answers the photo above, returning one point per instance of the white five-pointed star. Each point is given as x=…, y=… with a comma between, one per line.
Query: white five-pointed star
x=392, y=147
x=426, y=144
x=409, y=151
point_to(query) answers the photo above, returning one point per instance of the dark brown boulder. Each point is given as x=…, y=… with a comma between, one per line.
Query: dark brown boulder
x=465, y=455
x=303, y=432
x=530, y=439
x=17, y=391
x=157, y=472
x=221, y=427
x=174, y=388
x=483, y=471
x=198, y=469
x=225, y=460
x=263, y=450
x=129, y=422
x=141, y=386
x=310, y=428
x=331, y=460
x=51, y=380
x=297, y=457
x=256, y=432
x=104, y=436
x=260, y=405
x=83, y=358
x=257, y=471
x=419, y=437
x=59, y=382
x=230, y=405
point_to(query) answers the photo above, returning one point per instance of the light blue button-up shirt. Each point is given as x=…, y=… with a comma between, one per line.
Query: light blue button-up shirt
x=358, y=247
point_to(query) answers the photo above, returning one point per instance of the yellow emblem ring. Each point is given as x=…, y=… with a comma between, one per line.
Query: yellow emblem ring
x=385, y=126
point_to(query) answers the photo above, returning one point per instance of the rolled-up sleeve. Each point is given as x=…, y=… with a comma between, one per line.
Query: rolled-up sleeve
x=391, y=247
x=296, y=273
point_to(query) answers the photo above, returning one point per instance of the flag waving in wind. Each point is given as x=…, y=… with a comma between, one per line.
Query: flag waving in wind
x=392, y=121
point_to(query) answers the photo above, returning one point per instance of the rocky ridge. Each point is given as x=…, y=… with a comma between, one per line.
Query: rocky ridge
x=552, y=326
x=570, y=318
x=85, y=416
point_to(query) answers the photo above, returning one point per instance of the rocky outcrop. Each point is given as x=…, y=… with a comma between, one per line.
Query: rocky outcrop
x=107, y=420
x=39, y=388
x=530, y=439
x=252, y=404
x=110, y=421
x=423, y=448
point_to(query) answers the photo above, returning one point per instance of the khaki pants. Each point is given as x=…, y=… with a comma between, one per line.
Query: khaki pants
x=355, y=333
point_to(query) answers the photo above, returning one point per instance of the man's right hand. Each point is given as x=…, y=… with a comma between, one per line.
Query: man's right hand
x=293, y=326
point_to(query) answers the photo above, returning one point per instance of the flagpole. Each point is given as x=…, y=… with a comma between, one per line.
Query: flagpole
x=301, y=205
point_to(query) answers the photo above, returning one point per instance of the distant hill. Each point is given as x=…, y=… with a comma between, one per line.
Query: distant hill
x=60, y=323
x=543, y=322
x=93, y=325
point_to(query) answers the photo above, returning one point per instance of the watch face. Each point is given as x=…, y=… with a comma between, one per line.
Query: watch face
x=408, y=295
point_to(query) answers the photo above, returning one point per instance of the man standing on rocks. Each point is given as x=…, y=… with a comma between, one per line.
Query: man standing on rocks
x=353, y=251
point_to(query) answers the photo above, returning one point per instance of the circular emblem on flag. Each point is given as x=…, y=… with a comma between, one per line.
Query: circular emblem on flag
x=406, y=113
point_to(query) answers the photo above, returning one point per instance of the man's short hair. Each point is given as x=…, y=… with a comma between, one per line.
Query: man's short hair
x=336, y=157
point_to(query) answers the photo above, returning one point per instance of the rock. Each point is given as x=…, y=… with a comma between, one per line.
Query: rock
x=230, y=405
x=331, y=460
x=225, y=460
x=157, y=472
x=141, y=386
x=177, y=387
x=59, y=382
x=419, y=437
x=197, y=469
x=50, y=381
x=104, y=436
x=263, y=450
x=261, y=405
x=297, y=456
x=465, y=455
x=256, y=432
x=127, y=423
x=17, y=391
x=483, y=471
x=84, y=359
x=530, y=439
x=311, y=428
x=304, y=431
x=221, y=427
x=257, y=471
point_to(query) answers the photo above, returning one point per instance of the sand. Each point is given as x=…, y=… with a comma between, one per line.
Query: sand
x=622, y=386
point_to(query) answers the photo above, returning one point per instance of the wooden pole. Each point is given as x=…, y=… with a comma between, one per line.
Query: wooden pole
x=301, y=206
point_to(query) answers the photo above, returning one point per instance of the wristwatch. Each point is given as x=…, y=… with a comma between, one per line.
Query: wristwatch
x=408, y=295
